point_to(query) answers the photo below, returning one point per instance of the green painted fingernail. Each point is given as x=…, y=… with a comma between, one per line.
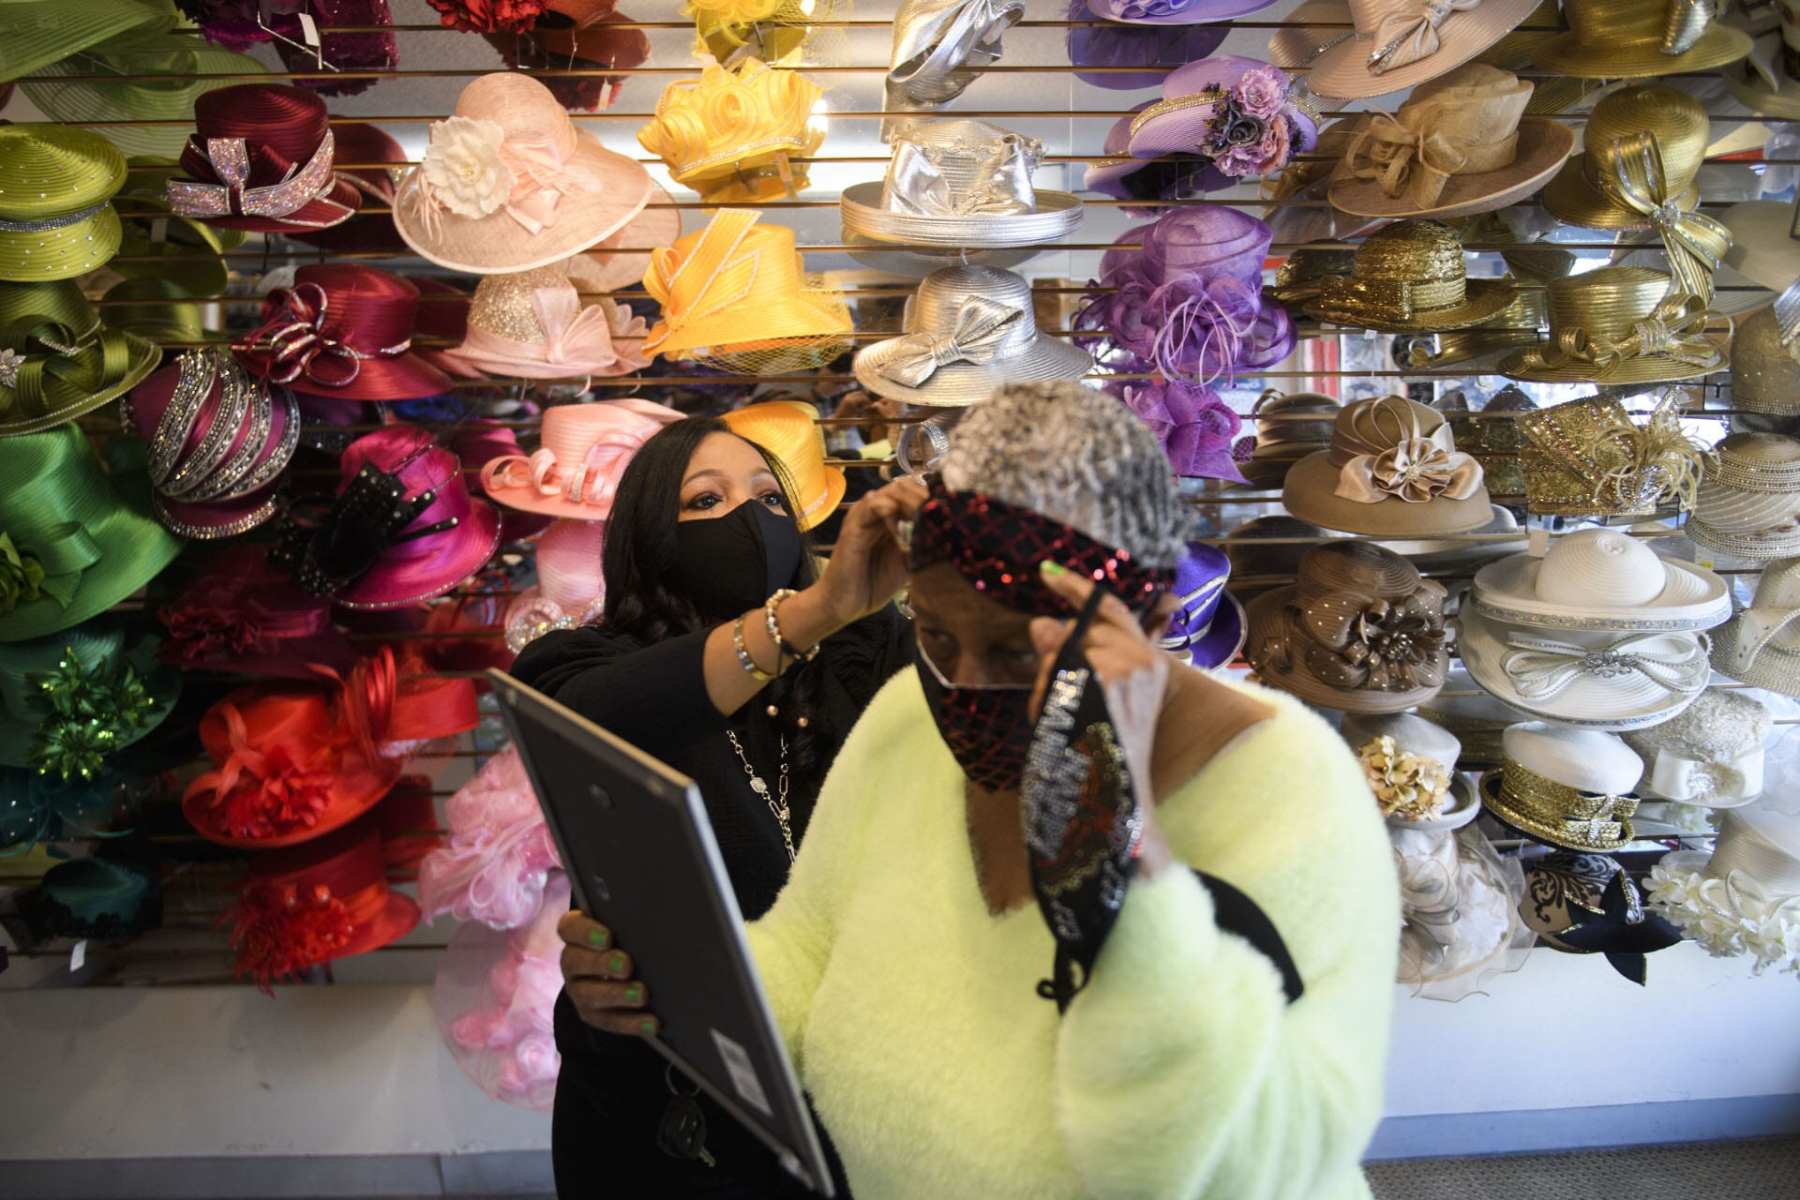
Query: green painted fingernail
x=647, y=1026
x=616, y=963
x=634, y=994
x=1049, y=568
x=598, y=936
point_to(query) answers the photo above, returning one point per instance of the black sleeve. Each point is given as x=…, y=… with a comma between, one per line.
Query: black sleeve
x=645, y=694
x=864, y=656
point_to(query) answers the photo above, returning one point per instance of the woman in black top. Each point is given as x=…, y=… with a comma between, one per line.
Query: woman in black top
x=699, y=539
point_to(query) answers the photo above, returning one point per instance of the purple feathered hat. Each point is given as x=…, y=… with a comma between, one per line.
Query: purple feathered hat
x=1174, y=12
x=1158, y=50
x=1221, y=119
x=1186, y=298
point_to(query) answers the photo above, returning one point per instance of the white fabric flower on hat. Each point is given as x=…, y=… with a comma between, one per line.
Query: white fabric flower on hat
x=464, y=168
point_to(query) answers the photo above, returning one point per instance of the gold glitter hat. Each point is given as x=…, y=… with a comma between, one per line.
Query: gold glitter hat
x=1636, y=39
x=1750, y=498
x=1521, y=323
x=1410, y=278
x=1571, y=788
x=1459, y=145
x=1587, y=458
x=1765, y=367
x=1641, y=152
x=732, y=133
x=1619, y=325
x=1359, y=630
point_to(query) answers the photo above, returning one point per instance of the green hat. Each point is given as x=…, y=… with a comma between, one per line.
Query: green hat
x=71, y=701
x=201, y=66
x=101, y=898
x=156, y=310
x=73, y=540
x=165, y=246
x=36, y=33
x=58, y=360
x=56, y=183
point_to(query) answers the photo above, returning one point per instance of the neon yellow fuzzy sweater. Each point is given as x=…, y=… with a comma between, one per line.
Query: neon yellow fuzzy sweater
x=1179, y=1072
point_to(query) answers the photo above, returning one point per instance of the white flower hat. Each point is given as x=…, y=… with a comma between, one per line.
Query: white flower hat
x=1743, y=900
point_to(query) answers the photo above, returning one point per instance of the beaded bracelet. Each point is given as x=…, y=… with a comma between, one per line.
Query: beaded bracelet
x=773, y=623
x=743, y=654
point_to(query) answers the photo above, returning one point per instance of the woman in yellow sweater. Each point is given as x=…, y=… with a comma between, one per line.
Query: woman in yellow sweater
x=1215, y=898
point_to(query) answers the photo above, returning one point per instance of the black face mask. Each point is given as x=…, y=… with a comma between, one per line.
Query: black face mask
x=729, y=565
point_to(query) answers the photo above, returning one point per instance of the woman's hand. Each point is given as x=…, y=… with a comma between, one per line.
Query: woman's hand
x=1134, y=676
x=598, y=978
x=868, y=564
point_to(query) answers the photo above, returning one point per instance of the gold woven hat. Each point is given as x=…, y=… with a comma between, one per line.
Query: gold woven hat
x=1572, y=788
x=1521, y=323
x=1459, y=145
x=1587, y=458
x=1637, y=39
x=1409, y=278
x=1749, y=501
x=1765, y=366
x=1400, y=43
x=1619, y=325
x=1359, y=630
x=1393, y=469
x=1307, y=267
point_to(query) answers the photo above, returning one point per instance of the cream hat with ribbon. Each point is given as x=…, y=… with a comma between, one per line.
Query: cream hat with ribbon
x=968, y=330
x=1459, y=145
x=1600, y=579
x=1392, y=470
x=1749, y=502
x=1760, y=646
x=1399, y=43
x=1572, y=788
x=1710, y=755
x=1745, y=898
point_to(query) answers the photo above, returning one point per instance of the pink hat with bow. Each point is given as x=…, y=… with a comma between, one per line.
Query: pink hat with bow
x=582, y=452
x=508, y=183
x=534, y=325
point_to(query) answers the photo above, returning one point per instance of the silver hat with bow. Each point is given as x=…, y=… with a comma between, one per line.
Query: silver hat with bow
x=968, y=330
x=957, y=186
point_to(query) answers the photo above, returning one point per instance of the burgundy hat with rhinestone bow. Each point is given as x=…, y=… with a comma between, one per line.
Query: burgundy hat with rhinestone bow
x=402, y=529
x=261, y=160
x=219, y=442
x=344, y=331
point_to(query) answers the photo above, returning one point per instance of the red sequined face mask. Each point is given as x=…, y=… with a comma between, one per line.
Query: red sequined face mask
x=998, y=547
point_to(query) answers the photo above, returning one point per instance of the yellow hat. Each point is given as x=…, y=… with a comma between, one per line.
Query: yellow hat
x=729, y=133
x=787, y=429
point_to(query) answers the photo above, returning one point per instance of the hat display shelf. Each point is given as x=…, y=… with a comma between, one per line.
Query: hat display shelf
x=1284, y=235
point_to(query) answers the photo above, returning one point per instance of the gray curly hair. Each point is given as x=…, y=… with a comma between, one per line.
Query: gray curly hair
x=1075, y=455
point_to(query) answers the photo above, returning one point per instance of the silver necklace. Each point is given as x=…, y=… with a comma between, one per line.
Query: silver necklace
x=778, y=803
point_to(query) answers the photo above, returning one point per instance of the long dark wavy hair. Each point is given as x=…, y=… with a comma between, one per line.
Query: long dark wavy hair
x=639, y=561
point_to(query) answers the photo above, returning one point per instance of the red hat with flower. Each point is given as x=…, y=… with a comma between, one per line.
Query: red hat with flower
x=241, y=615
x=310, y=904
x=293, y=764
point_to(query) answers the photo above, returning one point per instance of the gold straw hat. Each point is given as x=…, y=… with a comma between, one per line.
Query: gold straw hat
x=1460, y=144
x=1409, y=278
x=56, y=216
x=1641, y=153
x=1619, y=325
x=1765, y=372
x=1637, y=39
x=1521, y=323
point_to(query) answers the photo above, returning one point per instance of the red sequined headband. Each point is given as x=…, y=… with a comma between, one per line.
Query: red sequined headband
x=997, y=547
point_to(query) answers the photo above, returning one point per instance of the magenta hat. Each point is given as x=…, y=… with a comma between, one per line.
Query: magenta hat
x=479, y=443
x=582, y=451
x=242, y=616
x=1174, y=12
x=571, y=589
x=218, y=443
x=402, y=529
x=1157, y=50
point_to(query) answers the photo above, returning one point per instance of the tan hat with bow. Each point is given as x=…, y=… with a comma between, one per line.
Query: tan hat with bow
x=1619, y=325
x=1459, y=145
x=1640, y=155
x=1393, y=469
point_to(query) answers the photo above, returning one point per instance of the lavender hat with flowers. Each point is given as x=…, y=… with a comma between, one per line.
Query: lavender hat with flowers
x=1236, y=117
x=1183, y=295
x=1174, y=12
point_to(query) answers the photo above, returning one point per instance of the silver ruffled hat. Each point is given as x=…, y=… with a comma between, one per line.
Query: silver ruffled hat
x=959, y=186
x=968, y=330
x=942, y=46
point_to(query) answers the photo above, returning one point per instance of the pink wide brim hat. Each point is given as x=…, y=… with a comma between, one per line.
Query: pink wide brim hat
x=426, y=567
x=231, y=515
x=1174, y=12
x=1341, y=71
x=621, y=259
x=583, y=449
x=603, y=191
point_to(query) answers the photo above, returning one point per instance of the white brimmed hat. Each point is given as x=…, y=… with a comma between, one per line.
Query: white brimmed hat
x=1573, y=788
x=1760, y=646
x=1599, y=579
x=1711, y=755
x=968, y=330
x=1744, y=899
x=1749, y=498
